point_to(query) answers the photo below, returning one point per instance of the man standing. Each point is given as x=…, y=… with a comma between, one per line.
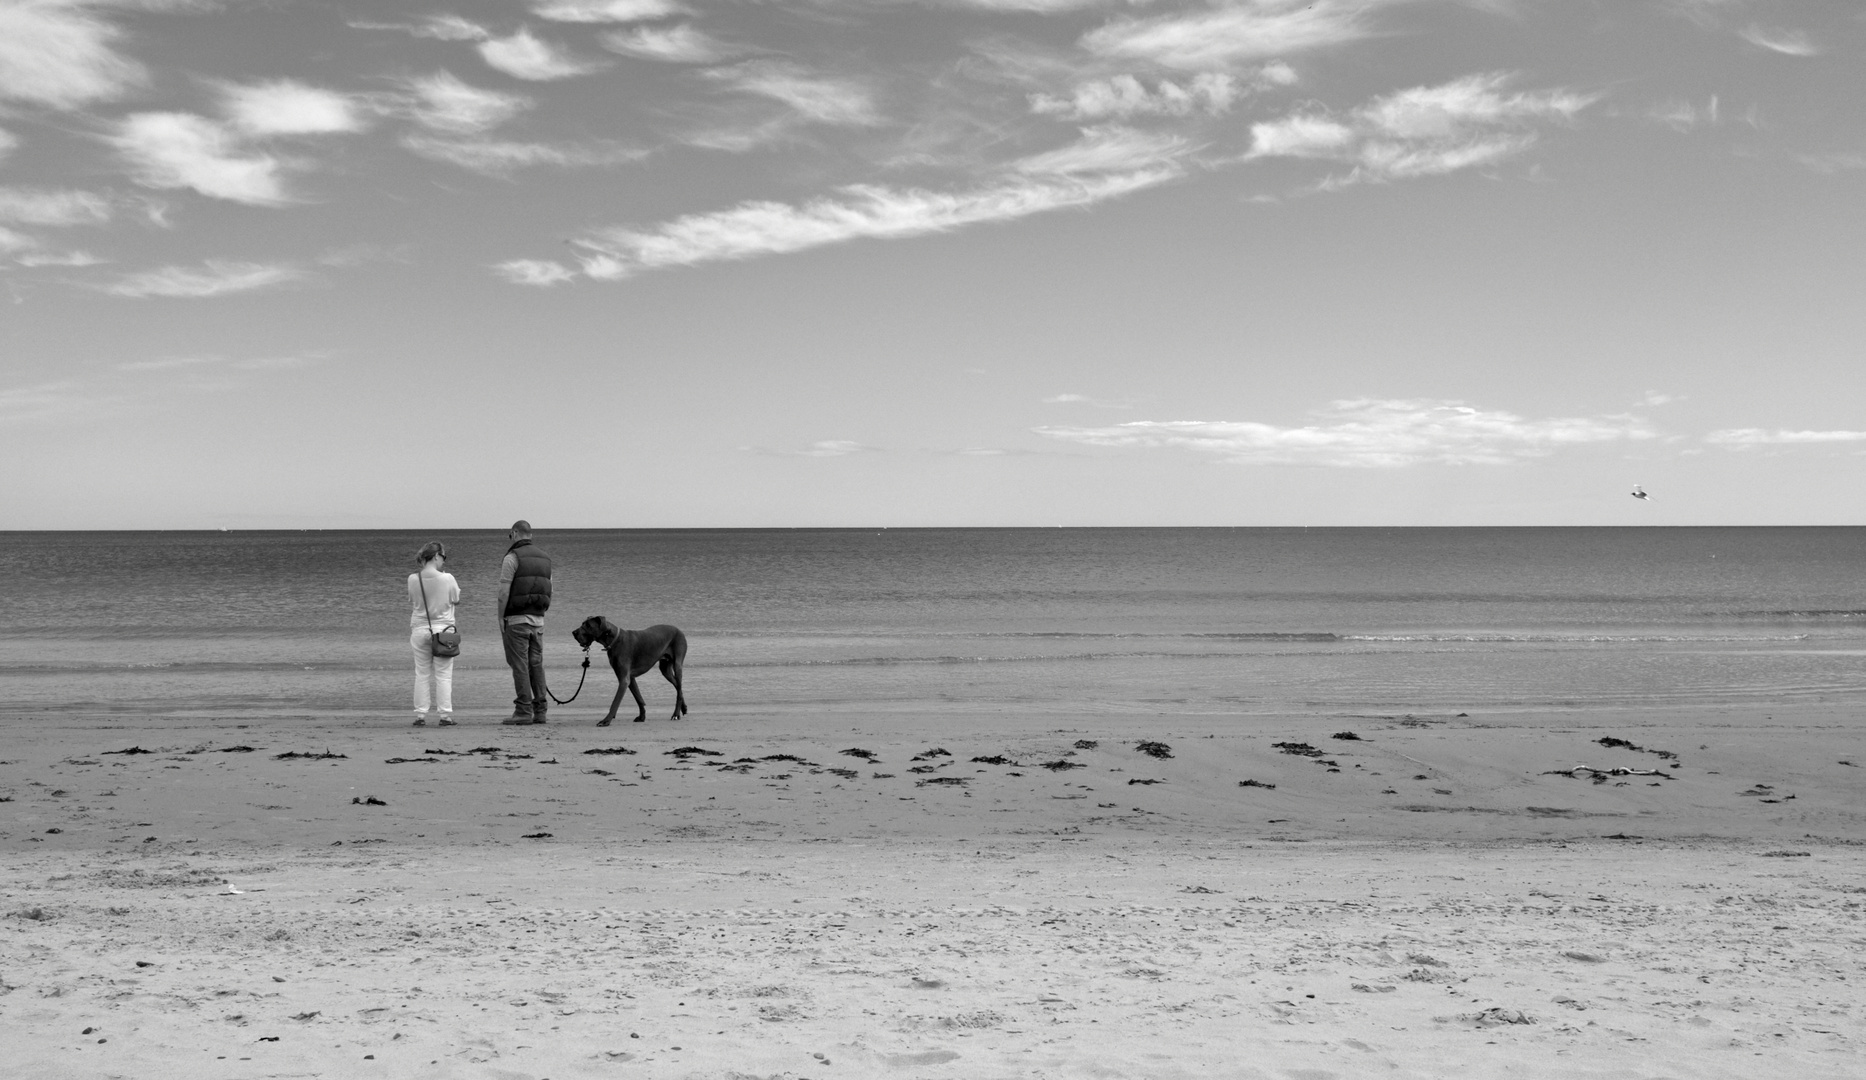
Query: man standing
x=524, y=597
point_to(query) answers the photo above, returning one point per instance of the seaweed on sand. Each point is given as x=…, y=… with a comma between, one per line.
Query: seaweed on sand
x=1154, y=749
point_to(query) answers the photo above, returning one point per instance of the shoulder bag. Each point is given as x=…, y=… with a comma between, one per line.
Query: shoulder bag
x=444, y=642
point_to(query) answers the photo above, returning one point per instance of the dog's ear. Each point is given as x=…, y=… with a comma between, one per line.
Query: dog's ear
x=608, y=628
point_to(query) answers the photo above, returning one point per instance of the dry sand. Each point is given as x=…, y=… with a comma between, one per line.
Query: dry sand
x=1425, y=901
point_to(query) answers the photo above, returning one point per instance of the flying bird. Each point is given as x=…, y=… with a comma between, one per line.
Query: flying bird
x=1639, y=493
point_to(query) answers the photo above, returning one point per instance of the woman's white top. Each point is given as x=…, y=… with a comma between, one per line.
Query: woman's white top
x=443, y=594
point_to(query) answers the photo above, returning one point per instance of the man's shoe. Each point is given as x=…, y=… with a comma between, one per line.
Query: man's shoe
x=537, y=718
x=445, y=722
x=421, y=721
x=517, y=720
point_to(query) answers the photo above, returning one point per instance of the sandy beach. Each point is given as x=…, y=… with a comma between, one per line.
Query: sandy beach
x=741, y=896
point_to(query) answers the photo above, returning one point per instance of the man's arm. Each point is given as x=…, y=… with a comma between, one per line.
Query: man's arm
x=507, y=570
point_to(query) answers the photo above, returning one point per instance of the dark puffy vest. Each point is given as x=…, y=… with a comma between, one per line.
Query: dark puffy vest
x=531, y=583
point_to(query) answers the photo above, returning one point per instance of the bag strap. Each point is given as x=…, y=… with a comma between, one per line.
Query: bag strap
x=424, y=601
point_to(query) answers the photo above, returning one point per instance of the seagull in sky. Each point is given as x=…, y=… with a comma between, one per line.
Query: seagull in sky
x=1639, y=493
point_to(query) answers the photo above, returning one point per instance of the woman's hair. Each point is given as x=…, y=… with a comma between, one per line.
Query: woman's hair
x=428, y=551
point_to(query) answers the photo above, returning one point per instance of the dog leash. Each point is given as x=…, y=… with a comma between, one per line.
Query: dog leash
x=580, y=678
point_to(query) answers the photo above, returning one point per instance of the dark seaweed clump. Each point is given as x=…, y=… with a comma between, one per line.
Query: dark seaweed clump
x=993, y=759
x=1257, y=783
x=1154, y=749
x=1086, y=744
x=293, y=755
x=1300, y=749
x=1059, y=766
x=687, y=751
x=610, y=750
x=1346, y=736
x=856, y=751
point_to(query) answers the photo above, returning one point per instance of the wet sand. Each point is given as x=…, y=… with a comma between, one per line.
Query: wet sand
x=1444, y=895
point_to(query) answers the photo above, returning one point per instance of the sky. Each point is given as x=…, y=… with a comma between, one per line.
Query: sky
x=717, y=263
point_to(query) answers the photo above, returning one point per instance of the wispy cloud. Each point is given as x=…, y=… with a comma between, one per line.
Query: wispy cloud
x=501, y=158
x=1369, y=433
x=825, y=448
x=820, y=98
x=284, y=107
x=1740, y=438
x=444, y=27
x=1084, y=399
x=1422, y=131
x=213, y=278
x=444, y=103
x=524, y=56
x=1125, y=96
x=682, y=44
x=181, y=150
x=39, y=206
x=1836, y=162
x=1111, y=149
x=8, y=141
x=61, y=54
x=41, y=401
x=1252, y=30
x=606, y=11
x=856, y=212
x=1680, y=115
x=541, y=273
x=1786, y=42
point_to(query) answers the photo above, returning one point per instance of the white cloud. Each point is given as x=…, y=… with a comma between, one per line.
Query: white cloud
x=1083, y=399
x=824, y=448
x=166, y=363
x=542, y=273
x=820, y=98
x=7, y=142
x=437, y=27
x=42, y=401
x=181, y=150
x=444, y=103
x=606, y=11
x=1108, y=149
x=499, y=158
x=1422, y=131
x=681, y=44
x=35, y=206
x=1843, y=161
x=856, y=212
x=523, y=56
x=60, y=258
x=284, y=107
x=1746, y=437
x=1680, y=115
x=1786, y=42
x=1252, y=30
x=11, y=241
x=1125, y=96
x=1039, y=6
x=1369, y=433
x=451, y=28
x=214, y=278
x=60, y=54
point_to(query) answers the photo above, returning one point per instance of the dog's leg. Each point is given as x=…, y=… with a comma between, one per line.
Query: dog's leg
x=670, y=670
x=677, y=652
x=641, y=707
x=622, y=680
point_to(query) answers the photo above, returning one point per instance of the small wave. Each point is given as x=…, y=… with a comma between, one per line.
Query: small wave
x=1801, y=613
x=1574, y=639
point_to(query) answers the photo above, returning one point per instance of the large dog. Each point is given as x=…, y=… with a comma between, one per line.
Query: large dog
x=632, y=653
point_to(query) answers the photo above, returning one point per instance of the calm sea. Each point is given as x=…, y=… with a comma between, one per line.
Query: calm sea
x=1090, y=621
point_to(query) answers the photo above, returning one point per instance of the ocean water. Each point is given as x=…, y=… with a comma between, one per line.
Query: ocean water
x=1086, y=621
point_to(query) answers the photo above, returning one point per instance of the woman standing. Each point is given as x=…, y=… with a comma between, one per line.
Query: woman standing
x=433, y=592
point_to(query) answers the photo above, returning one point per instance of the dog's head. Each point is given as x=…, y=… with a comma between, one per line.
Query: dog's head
x=594, y=629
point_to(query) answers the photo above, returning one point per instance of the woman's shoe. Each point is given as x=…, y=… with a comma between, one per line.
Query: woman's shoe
x=445, y=722
x=421, y=721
